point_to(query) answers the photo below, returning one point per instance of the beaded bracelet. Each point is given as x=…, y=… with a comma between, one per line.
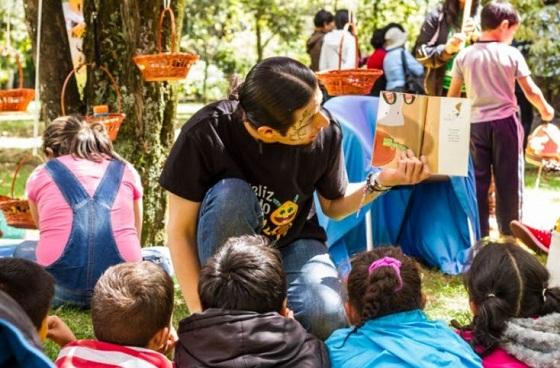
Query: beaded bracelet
x=376, y=186
x=370, y=188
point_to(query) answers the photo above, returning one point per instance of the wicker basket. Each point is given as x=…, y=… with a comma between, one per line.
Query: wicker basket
x=112, y=121
x=165, y=66
x=348, y=81
x=16, y=211
x=16, y=99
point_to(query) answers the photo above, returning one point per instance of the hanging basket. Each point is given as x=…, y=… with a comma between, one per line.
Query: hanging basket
x=165, y=66
x=16, y=99
x=348, y=81
x=111, y=121
x=16, y=211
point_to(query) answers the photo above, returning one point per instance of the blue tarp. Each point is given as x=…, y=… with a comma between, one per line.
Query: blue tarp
x=437, y=222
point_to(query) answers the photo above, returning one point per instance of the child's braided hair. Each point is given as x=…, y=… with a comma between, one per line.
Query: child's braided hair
x=379, y=292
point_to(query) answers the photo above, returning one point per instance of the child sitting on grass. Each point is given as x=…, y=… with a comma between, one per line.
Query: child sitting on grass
x=26, y=292
x=516, y=322
x=245, y=321
x=131, y=310
x=390, y=329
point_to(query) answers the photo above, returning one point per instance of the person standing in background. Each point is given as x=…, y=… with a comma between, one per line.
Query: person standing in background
x=324, y=23
x=440, y=39
x=331, y=50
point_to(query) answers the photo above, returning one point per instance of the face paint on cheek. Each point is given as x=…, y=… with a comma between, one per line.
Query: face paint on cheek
x=297, y=131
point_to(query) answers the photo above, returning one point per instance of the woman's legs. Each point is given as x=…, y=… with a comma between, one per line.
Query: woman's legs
x=315, y=293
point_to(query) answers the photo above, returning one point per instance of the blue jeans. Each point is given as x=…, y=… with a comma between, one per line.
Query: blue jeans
x=158, y=255
x=315, y=292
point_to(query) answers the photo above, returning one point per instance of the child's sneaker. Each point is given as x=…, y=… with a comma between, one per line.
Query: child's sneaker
x=537, y=240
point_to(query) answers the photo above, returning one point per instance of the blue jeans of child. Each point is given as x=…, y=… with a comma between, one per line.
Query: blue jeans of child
x=158, y=255
x=315, y=292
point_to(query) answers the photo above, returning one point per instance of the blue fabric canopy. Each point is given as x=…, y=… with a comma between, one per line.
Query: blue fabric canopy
x=437, y=222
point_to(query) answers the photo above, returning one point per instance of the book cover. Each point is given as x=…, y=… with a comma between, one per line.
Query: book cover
x=436, y=127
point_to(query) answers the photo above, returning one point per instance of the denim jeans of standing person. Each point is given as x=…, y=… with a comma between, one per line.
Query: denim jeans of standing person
x=315, y=292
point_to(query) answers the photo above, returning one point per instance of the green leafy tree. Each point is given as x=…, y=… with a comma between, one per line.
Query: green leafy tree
x=542, y=30
x=274, y=19
x=210, y=28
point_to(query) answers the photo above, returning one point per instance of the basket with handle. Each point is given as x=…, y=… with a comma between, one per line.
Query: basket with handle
x=165, y=66
x=111, y=121
x=16, y=99
x=16, y=211
x=348, y=81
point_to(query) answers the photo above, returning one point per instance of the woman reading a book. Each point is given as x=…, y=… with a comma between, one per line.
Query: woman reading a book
x=250, y=164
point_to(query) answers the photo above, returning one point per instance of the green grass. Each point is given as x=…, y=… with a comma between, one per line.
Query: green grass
x=549, y=181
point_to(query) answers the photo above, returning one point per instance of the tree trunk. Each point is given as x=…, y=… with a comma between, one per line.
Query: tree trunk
x=258, y=32
x=55, y=58
x=206, y=59
x=118, y=30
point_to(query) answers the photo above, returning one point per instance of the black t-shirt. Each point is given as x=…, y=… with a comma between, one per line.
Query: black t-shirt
x=214, y=145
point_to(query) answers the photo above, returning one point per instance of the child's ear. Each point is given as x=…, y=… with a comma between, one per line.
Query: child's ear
x=158, y=342
x=44, y=329
x=424, y=301
x=504, y=25
x=473, y=307
x=49, y=152
x=352, y=314
x=285, y=311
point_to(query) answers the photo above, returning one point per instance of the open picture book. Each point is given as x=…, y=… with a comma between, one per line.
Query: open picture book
x=436, y=127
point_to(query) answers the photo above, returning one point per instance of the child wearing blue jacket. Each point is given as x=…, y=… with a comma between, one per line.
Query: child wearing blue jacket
x=390, y=329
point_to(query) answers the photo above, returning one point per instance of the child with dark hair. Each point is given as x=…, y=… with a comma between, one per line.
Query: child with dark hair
x=390, y=329
x=324, y=23
x=516, y=314
x=26, y=292
x=131, y=311
x=246, y=321
x=489, y=70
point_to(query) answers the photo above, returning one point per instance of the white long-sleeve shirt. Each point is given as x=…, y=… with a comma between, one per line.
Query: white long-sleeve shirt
x=329, y=51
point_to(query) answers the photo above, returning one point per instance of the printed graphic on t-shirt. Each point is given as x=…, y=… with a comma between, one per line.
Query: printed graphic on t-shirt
x=278, y=216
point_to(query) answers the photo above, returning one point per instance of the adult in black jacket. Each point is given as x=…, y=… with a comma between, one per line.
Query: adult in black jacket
x=439, y=41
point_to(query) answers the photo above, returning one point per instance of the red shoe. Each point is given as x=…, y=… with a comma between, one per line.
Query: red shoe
x=537, y=240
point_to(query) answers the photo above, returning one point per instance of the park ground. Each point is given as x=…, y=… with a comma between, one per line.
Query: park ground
x=446, y=297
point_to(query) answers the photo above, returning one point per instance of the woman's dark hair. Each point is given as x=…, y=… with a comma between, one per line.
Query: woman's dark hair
x=494, y=13
x=72, y=135
x=503, y=282
x=273, y=90
x=246, y=273
x=341, y=17
x=452, y=10
x=322, y=18
x=377, y=38
x=373, y=294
